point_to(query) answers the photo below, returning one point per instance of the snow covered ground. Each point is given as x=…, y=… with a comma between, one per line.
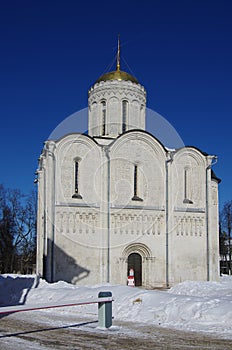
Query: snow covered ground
x=195, y=306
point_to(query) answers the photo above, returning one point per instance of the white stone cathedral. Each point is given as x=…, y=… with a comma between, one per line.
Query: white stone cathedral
x=117, y=199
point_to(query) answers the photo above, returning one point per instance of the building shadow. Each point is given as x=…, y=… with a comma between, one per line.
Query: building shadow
x=14, y=290
x=46, y=329
x=66, y=267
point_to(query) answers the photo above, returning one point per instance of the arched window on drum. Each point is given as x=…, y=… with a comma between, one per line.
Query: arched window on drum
x=124, y=115
x=103, y=118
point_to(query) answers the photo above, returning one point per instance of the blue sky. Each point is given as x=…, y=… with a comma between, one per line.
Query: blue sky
x=53, y=51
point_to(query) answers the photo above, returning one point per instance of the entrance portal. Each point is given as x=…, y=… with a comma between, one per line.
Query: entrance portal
x=135, y=263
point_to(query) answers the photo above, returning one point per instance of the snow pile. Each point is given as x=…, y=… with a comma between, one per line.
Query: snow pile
x=199, y=306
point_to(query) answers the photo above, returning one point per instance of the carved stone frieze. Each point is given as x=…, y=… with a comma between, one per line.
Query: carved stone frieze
x=77, y=221
x=189, y=225
x=137, y=224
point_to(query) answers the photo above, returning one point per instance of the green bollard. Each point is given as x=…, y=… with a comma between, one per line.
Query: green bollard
x=105, y=311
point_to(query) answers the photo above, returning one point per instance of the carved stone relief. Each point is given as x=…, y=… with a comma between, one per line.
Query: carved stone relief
x=187, y=225
x=77, y=222
x=137, y=224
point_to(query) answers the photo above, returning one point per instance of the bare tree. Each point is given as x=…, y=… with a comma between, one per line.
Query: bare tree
x=28, y=242
x=7, y=249
x=17, y=231
x=226, y=223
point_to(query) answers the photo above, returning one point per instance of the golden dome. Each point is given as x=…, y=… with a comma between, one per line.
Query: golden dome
x=117, y=75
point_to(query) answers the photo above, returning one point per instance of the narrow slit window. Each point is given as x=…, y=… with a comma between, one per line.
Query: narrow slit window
x=124, y=115
x=103, y=111
x=76, y=176
x=136, y=197
x=135, y=180
x=186, y=186
x=76, y=180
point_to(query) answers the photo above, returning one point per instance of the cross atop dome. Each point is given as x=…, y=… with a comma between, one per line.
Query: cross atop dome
x=118, y=54
x=117, y=74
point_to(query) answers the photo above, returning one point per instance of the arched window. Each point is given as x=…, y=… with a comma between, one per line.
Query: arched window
x=186, y=187
x=135, y=180
x=103, y=117
x=135, y=185
x=76, y=178
x=124, y=115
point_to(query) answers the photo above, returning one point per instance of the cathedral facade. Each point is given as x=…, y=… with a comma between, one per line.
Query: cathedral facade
x=117, y=199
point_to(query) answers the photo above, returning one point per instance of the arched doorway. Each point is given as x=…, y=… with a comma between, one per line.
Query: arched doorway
x=135, y=263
